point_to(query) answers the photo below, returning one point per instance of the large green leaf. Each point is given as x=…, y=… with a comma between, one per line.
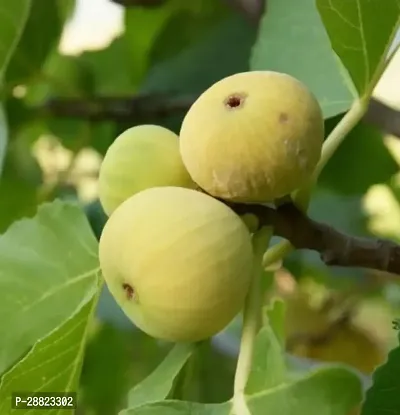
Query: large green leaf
x=41, y=33
x=142, y=28
x=190, y=22
x=359, y=41
x=147, y=30
x=327, y=391
x=13, y=16
x=207, y=61
x=292, y=39
x=53, y=364
x=383, y=396
x=48, y=271
x=159, y=383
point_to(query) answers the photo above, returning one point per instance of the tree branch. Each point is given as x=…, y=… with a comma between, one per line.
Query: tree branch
x=139, y=107
x=148, y=106
x=335, y=248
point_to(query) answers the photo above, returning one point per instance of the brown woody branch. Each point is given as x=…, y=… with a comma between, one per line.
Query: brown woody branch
x=129, y=109
x=148, y=106
x=335, y=247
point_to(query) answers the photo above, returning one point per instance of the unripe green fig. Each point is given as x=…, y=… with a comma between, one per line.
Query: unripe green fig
x=177, y=261
x=141, y=157
x=252, y=137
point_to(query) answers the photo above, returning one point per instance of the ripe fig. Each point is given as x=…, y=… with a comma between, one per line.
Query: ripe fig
x=177, y=261
x=252, y=137
x=141, y=157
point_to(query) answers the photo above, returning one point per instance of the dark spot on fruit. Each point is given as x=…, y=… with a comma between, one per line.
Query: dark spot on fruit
x=234, y=101
x=129, y=291
x=283, y=118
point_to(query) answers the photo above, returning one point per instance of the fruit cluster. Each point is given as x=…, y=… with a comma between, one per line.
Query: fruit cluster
x=177, y=260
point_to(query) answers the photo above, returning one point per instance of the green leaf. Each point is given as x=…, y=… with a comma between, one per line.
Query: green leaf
x=102, y=63
x=54, y=363
x=353, y=160
x=3, y=137
x=358, y=40
x=292, y=39
x=268, y=368
x=49, y=270
x=383, y=396
x=143, y=25
x=205, y=62
x=328, y=391
x=276, y=318
x=147, y=30
x=13, y=16
x=159, y=383
x=190, y=22
x=21, y=176
x=105, y=381
x=41, y=34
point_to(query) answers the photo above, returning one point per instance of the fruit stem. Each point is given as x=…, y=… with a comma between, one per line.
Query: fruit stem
x=251, y=322
x=335, y=138
x=276, y=253
x=339, y=133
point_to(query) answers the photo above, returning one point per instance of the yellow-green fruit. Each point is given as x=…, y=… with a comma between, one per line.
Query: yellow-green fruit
x=141, y=157
x=177, y=261
x=253, y=137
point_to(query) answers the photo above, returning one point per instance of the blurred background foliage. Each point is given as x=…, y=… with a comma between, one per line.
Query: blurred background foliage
x=83, y=71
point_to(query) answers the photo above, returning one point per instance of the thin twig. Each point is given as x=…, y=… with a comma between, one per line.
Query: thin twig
x=147, y=106
x=133, y=108
x=335, y=247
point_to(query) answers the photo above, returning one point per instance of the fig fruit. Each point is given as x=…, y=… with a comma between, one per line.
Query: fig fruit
x=141, y=157
x=177, y=261
x=252, y=137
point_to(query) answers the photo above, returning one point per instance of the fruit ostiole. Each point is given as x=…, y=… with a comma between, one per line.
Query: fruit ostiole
x=251, y=322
